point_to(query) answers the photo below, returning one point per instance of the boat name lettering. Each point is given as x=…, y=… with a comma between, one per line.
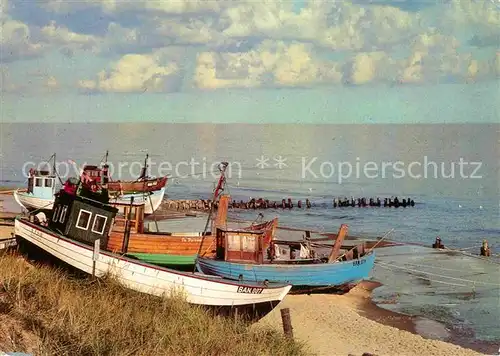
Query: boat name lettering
x=358, y=262
x=36, y=232
x=250, y=290
x=190, y=239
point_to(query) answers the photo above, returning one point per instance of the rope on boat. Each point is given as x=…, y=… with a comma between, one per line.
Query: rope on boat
x=438, y=275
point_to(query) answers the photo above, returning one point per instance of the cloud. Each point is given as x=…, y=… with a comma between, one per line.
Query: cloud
x=65, y=39
x=368, y=67
x=256, y=43
x=16, y=42
x=273, y=63
x=433, y=57
x=22, y=41
x=120, y=6
x=136, y=73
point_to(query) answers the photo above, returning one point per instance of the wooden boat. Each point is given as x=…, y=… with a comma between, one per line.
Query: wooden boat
x=242, y=257
x=42, y=186
x=143, y=184
x=150, y=191
x=40, y=193
x=151, y=200
x=174, y=249
x=77, y=235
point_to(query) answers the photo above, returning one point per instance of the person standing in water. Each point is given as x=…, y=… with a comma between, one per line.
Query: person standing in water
x=485, y=249
x=437, y=243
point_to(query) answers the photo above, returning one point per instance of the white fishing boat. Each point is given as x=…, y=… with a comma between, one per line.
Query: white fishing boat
x=151, y=200
x=40, y=192
x=78, y=222
x=42, y=187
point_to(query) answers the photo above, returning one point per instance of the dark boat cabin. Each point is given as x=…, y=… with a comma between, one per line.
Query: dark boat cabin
x=82, y=219
x=240, y=246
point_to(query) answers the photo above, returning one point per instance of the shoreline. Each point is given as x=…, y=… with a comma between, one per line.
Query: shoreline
x=373, y=311
x=360, y=298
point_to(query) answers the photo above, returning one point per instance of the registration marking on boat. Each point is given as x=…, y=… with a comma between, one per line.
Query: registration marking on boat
x=250, y=290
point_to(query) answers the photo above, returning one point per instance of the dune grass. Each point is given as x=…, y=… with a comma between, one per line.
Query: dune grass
x=47, y=312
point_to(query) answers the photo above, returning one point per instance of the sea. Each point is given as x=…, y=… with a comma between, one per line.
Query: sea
x=450, y=171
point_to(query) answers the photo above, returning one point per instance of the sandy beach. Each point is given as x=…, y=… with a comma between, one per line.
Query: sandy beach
x=349, y=324
x=344, y=325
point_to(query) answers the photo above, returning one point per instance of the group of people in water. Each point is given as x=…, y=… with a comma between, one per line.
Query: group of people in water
x=337, y=203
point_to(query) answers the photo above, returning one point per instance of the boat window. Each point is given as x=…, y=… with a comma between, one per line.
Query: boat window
x=99, y=224
x=83, y=221
x=63, y=214
x=48, y=182
x=56, y=213
x=39, y=182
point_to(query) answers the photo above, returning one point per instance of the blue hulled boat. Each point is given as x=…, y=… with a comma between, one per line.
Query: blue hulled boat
x=241, y=257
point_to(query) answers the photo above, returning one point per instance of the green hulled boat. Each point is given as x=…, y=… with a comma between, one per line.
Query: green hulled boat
x=166, y=260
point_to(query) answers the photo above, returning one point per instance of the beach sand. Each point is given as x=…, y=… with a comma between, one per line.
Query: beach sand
x=351, y=324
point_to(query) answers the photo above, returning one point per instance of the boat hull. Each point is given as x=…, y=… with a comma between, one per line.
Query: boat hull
x=151, y=201
x=166, y=244
x=148, y=185
x=178, y=262
x=151, y=279
x=30, y=202
x=299, y=275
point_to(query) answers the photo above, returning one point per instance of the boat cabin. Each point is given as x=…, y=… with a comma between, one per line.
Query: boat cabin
x=91, y=173
x=240, y=245
x=132, y=212
x=41, y=184
x=81, y=218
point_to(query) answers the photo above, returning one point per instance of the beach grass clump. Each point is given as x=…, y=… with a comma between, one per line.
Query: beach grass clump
x=46, y=311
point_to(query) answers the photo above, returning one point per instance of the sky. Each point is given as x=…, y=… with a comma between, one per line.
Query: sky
x=251, y=61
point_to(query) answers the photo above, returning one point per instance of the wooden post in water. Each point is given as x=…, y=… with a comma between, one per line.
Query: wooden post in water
x=127, y=227
x=287, y=322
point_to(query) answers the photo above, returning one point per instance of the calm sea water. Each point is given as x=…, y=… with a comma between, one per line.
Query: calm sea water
x=450, y=171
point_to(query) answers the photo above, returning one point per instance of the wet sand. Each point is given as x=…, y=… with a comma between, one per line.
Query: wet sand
x=351, y=324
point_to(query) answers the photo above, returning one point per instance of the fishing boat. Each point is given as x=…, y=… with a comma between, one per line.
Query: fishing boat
x=143, y=184
x=243, y=257
x=151, y=200
x=40, y=192
x=176, y=250
x=77, y=235
x=42, y=187
x=150, y=191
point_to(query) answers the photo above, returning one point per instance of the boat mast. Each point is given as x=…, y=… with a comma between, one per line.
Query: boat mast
x=219, y=187
x=144, y=169
x=55, y=170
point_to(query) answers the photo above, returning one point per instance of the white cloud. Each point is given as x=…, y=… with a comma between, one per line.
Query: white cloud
x=136, y=73
x=61, y=36
x=271, y=64
x=116, y=6
x=16, y=43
